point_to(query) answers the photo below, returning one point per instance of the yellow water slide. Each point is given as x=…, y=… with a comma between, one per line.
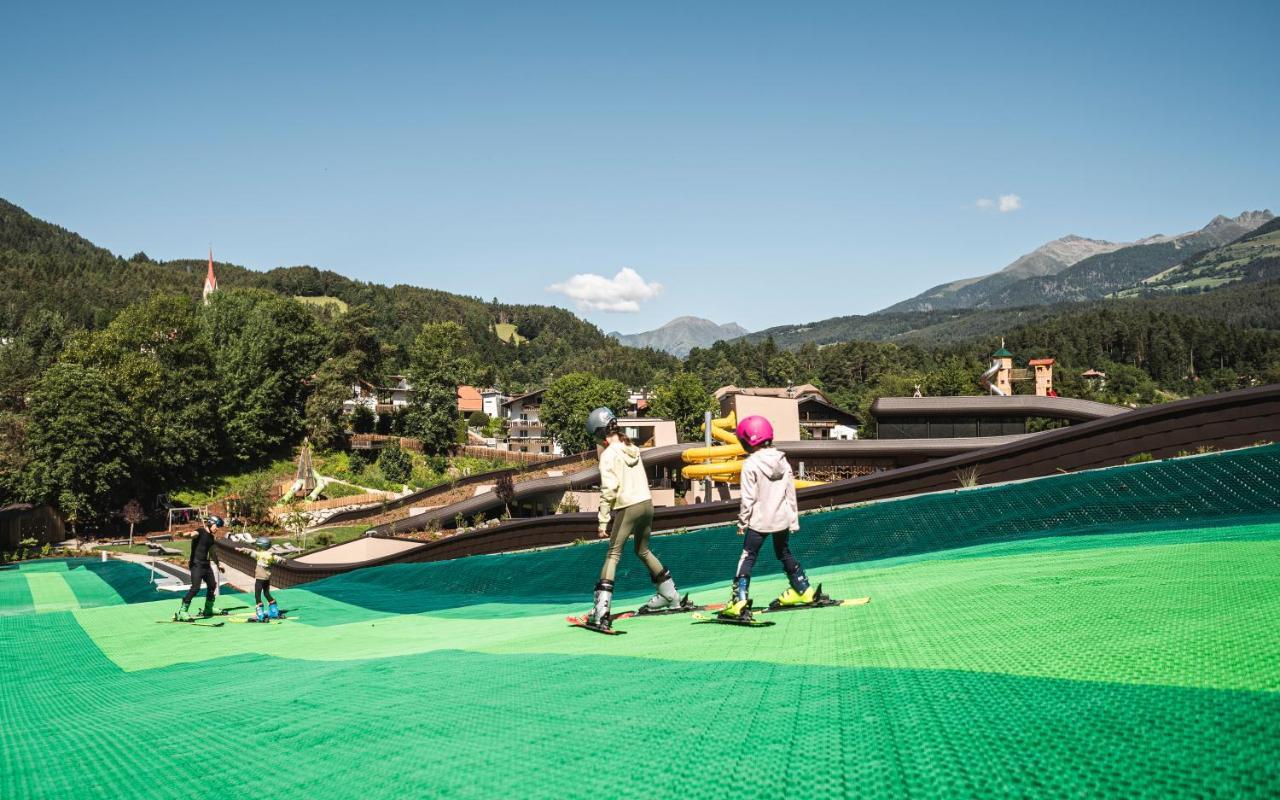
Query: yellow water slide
x=721, y=463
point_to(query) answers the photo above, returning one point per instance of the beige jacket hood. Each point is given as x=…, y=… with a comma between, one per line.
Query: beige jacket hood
x=623, y=481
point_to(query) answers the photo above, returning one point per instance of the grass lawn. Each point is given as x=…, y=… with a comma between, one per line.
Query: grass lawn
x=141, y=549
x=340, y=534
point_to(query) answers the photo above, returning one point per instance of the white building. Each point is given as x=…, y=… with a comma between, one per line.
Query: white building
x=492, y=402
x=525, y=433
x=380, y=399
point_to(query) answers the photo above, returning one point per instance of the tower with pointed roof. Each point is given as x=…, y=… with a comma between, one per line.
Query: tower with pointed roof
x=210, y=280
x=1004, y=375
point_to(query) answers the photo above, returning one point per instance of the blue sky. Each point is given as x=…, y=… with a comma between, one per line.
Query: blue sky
x=764, y=163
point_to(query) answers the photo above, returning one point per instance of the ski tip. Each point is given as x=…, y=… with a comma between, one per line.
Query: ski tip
x=856, y=601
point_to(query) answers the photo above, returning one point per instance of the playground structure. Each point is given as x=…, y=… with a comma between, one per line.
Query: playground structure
x=307, y=483
x=1001, y=375
x=722, y=463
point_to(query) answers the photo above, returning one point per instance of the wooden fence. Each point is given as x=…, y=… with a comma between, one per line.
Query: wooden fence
x=377, y=441
x=504, y=455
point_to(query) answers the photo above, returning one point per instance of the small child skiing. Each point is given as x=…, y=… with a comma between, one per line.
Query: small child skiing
x=624, y=488
x=768, y=509
x=263, y=561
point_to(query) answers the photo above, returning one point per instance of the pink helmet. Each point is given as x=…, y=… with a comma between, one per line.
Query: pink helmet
x=754, y=431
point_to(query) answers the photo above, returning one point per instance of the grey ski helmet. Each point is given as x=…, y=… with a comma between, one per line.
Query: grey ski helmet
x=598, y=423
x=262, y=542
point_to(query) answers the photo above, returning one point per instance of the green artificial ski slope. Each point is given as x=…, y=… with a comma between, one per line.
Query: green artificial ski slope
x=1086, y=661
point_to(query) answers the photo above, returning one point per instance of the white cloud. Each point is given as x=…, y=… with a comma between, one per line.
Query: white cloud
x=623, y=292
x=1004, y=204
x=1009, y=202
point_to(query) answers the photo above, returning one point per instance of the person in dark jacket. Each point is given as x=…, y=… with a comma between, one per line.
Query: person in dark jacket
x=204, y=558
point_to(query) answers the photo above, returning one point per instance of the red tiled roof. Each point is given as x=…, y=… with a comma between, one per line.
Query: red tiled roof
x=469, y=399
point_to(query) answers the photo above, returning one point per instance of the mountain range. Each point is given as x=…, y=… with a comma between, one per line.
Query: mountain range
x=1228, y=252
x=1074, y=268
x=682, y=334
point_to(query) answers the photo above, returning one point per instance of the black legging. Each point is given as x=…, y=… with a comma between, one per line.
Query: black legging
x=201, y=573
x=754, y=540
x=261, y=587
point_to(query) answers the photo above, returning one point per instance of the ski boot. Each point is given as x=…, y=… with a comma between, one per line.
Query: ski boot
x=261, y=613
x=739, y=605
x=207, y=611
x=182, y=615
x=666, y=598
x=791, y=598
x=599, y=618
x=273, y=611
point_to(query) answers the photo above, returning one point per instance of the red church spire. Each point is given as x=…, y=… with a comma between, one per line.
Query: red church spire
x=210, y=280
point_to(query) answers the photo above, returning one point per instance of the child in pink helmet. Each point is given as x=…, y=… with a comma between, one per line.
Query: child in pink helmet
x=768, y=509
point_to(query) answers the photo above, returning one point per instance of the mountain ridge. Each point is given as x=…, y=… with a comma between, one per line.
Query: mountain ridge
x=1054, y=273
x=682, y=334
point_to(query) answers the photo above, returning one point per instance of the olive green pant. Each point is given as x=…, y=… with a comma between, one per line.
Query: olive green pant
x=633, y=521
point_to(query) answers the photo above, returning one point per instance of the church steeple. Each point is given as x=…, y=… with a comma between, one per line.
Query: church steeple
x=210, y=280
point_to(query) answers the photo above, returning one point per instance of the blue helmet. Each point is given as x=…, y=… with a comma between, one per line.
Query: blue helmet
x=262, y=543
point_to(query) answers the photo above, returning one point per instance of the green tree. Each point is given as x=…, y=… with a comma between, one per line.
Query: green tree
x=396, y=465
x=952, y=377
x=684, y=400
x=478, y=419
x=80, y=440
x=362, y=420
x=568, y=401
x=13, y=456
x=330, y=388
x=265, y=347
x=436, y=368
x=157, y=361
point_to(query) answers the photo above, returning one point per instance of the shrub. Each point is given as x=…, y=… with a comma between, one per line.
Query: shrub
x=968, y=477
x=362, y=420
x=357, y=461
x=478, y=419
x=1139, y=458
x=396, y=465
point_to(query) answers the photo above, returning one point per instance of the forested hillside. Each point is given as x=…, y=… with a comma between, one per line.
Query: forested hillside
x=47, y=272
x=117, y=382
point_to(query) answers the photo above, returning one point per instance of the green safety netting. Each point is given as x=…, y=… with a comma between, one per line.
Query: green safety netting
x=1105, y=634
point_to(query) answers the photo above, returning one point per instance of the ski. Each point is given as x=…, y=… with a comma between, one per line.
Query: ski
x=821, y=601
x=581, y=622
x=190, y=622
x=716, y=619
x=257, y=621
x=686, y=606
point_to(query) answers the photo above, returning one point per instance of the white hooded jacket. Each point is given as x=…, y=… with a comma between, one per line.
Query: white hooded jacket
x=768, y=499
x=623, y=481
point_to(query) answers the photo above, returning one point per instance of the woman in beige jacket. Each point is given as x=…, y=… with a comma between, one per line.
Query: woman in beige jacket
x=626, y=510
